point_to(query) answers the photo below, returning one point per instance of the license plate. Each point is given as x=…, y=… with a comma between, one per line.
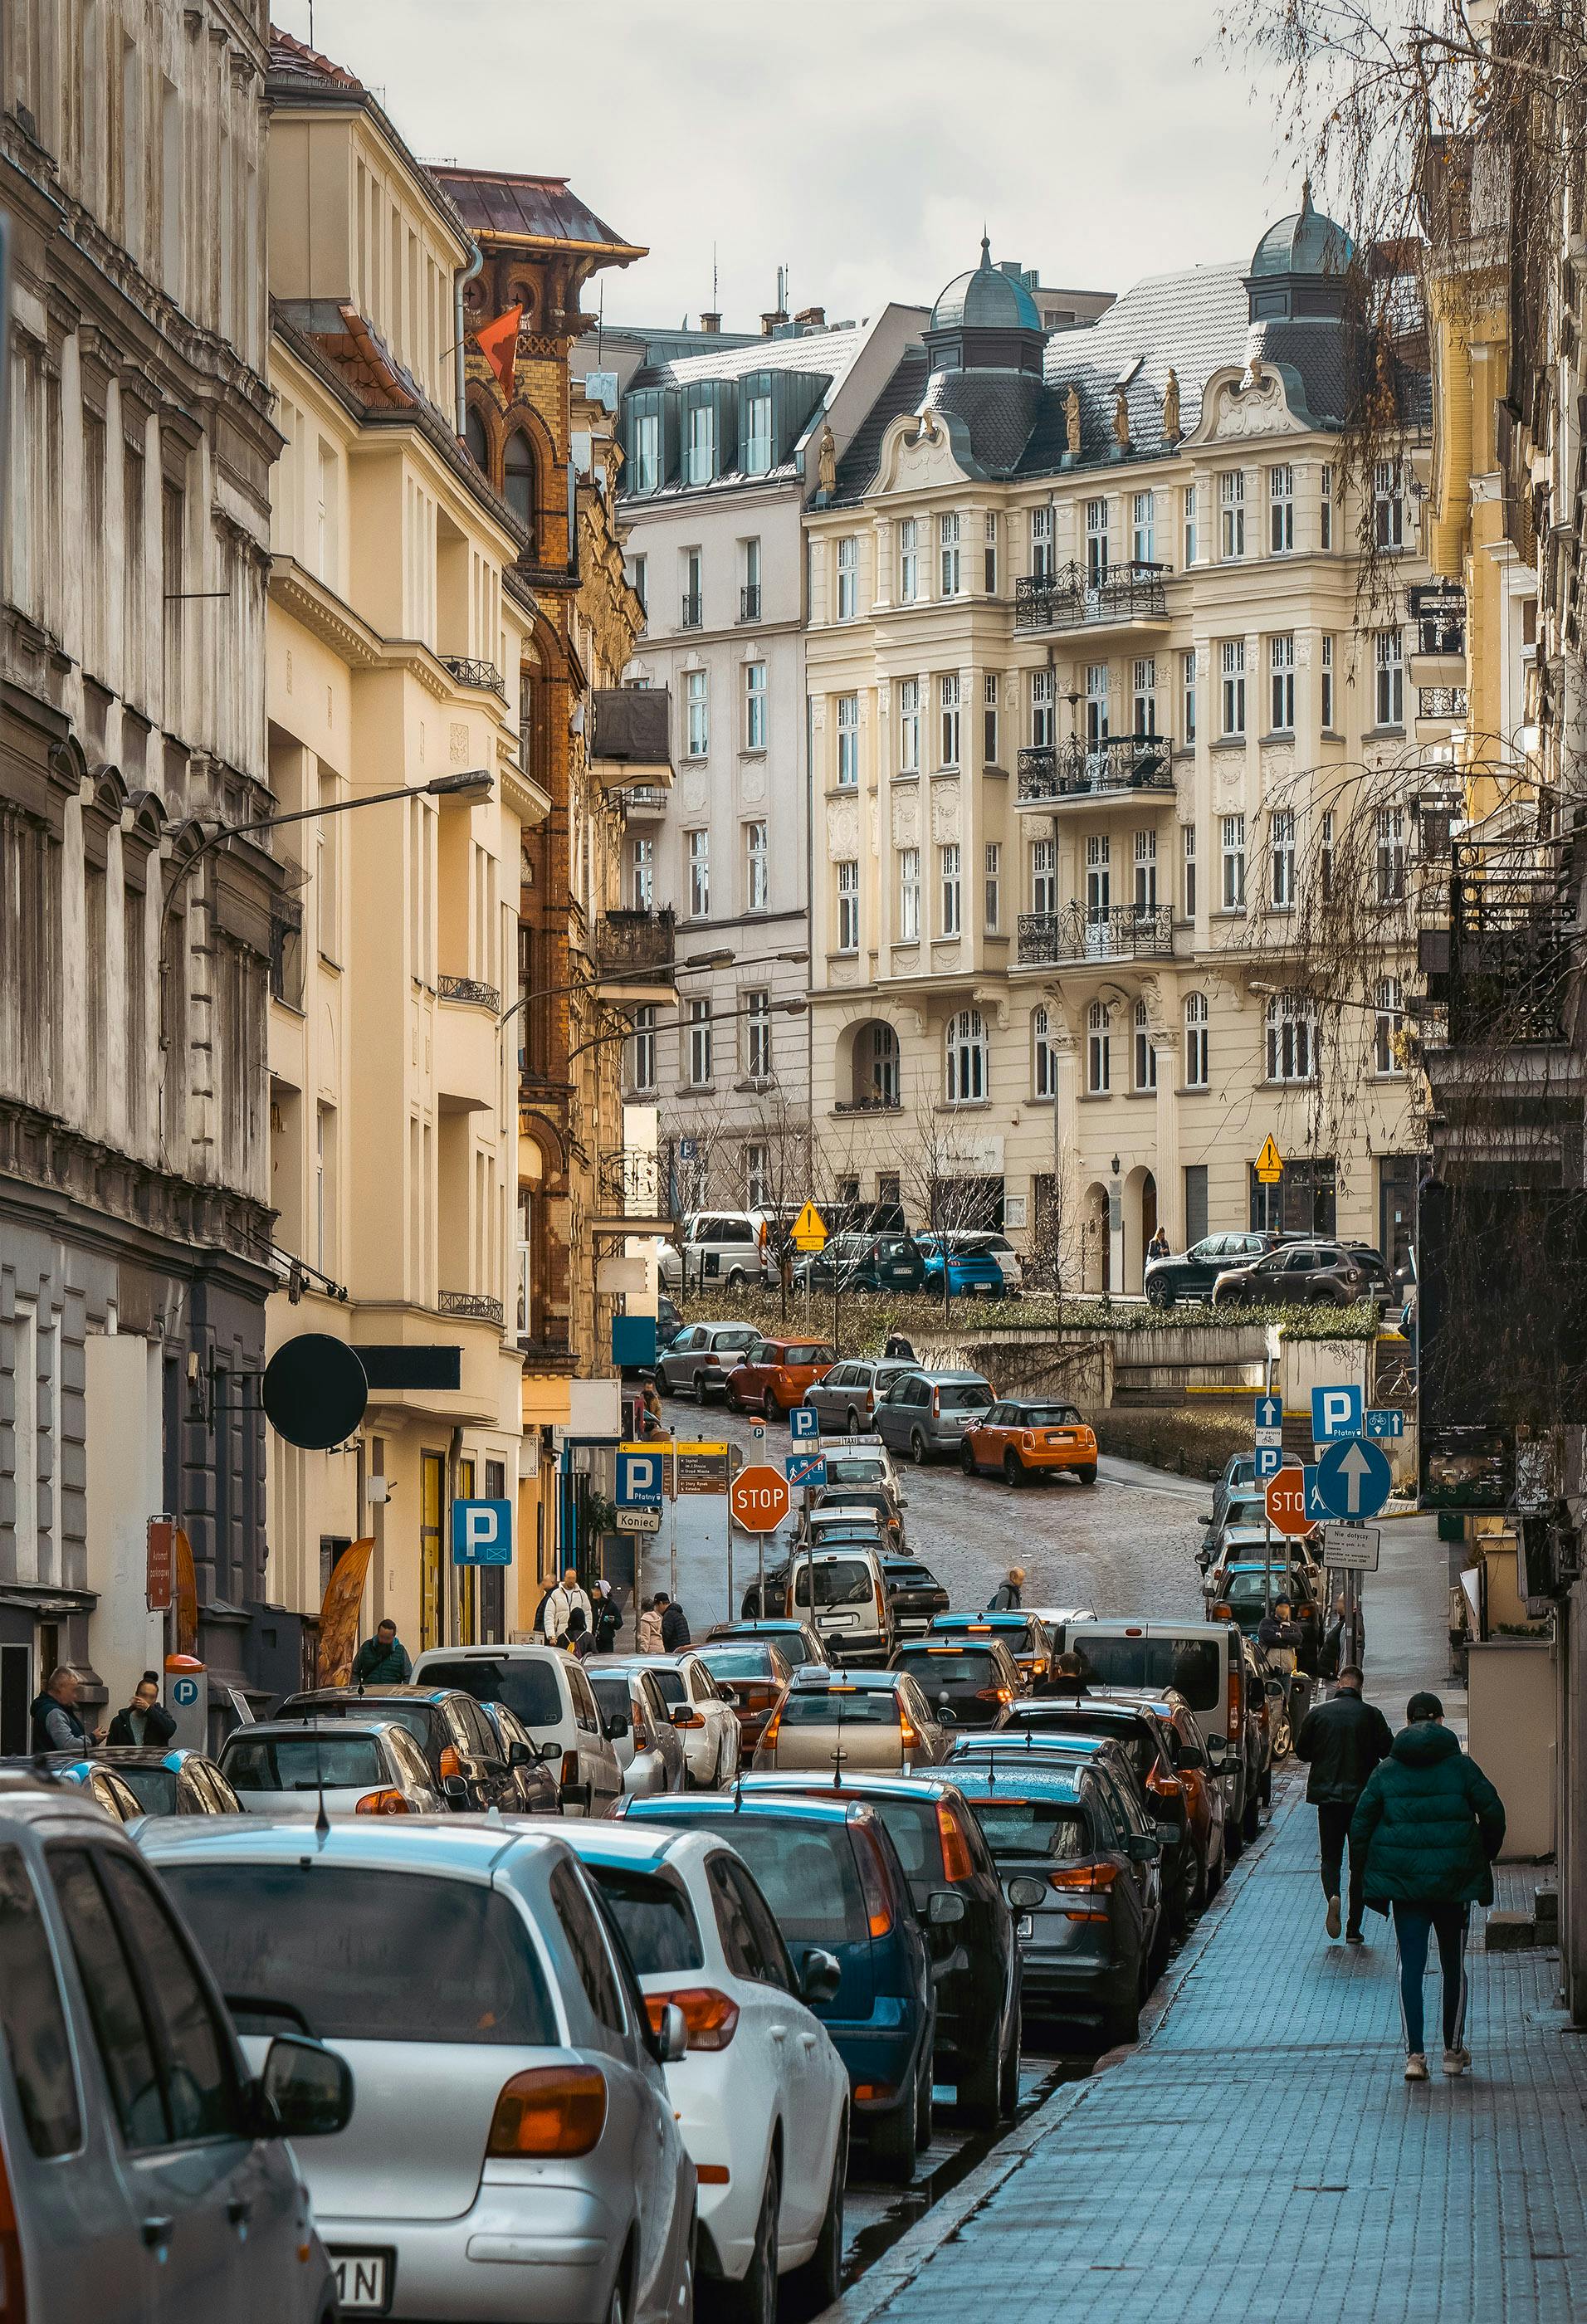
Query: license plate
x=1022, y=1926
x=364, y=2281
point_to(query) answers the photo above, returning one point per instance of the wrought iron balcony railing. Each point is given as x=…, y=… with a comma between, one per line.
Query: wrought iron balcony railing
x=1071, y=598
x=469, y=988
x=633, y=1183
x=1082, y=770
x=691, y=613
x=476, y=1306
x=639, y=796
x=1503, y=964
x=1441, y=701
x=636, y=943
x=474, y=673
x=1438, y=609
x=748, y=602
x=1126, y=932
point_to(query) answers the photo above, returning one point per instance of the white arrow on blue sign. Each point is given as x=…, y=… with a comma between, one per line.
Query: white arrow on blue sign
x=1353, y=1480
x=638, y=1481
x=1269, y=1412
x=1386, y=1422
x=1336, y=1412
x=803, y=1423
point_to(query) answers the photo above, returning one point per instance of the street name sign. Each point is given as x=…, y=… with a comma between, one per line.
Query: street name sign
x=640, y=1520
x=1353, y=1548
x=809, y=1229
x=1285, y=1498
x=1270, y=1162
x=1353, y=1480
x=1336, y=1412
x=758, y=1498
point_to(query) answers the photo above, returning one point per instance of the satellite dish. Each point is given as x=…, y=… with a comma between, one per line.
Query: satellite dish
x=315, y=1391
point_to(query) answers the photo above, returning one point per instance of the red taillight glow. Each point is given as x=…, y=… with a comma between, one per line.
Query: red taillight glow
x=956, y=1863
x=712, y=2017
x=1092, y=1880
x=383, y=1803
x=909, y=1734
x=549, y=2111
x=1028, y=1440
x=451, y=1765
x=770, y=1732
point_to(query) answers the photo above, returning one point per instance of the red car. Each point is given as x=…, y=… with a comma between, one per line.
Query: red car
x=771, y=1376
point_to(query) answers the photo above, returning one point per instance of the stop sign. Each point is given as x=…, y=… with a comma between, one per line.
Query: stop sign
x=758, y=1498
x=1287, y=1501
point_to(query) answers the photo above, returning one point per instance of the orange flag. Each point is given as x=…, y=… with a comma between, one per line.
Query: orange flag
x=498, y=344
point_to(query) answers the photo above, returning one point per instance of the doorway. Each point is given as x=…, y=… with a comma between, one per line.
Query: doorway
x=432, y=1493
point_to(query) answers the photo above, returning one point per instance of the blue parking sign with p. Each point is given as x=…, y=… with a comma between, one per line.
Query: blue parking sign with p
x=1270, y=1459
x=481, y=1533
x=1336, y=1412
x=638, y=1481
x=803, y=1423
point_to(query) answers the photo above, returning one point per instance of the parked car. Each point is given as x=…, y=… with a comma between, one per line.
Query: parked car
x=468, y=1768
x=754, y=1672
x=864, y=1262
x=102, y=1784
x=847, y=1396
x=169, y=1783
x=990, y=1242
x=876, y=1502
x=669, y=1323
x=1203, y=1790
x=1205, y=1661
x=1191, y=1274
x=771, y=1376
x=761, y=2095
x=1025, y=1635
x=864, y=1462
x=1075, y=1871
x=1021, y=1438
x=703, y=1715
x=924, y=1414
x=971, y=1265
x=834, y=1267
x=145, y=2168
x=514, y=2119
x=1065, y=1626
x=795, y=1641
x=1248, y=1589
x=968, y=1683
x=540, y=1793
x=914, y=1596
x=842, y=1593
x=969, y=1929
x=1298, y=1275
x=649, y=1747
x=1149, y=1737
x=699, y=1360
x=1239, y=1478
x=712, y=1246
x=366, y=1766
x=549, y=1694
x=832, y=1877
x=836, y=1721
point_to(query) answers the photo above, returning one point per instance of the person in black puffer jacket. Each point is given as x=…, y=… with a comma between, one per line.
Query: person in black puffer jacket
x=1343, y=1740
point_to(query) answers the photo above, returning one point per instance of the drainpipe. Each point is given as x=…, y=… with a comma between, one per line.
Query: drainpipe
x=475, y=266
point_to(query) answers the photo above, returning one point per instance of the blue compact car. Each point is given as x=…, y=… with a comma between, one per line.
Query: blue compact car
x=969, y=1269
x=833, y=1880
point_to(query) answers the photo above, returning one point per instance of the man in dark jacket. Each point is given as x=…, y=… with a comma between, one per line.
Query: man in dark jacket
x=1429, y=1825
x=1343, y=1740
x=56, y=1724
x=143, y=1720
x=1007, y=1597
x=675, y=1629
x=382, y=1660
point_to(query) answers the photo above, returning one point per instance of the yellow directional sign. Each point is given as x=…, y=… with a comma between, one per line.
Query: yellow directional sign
x=809, y=1229
x=1270, y=1163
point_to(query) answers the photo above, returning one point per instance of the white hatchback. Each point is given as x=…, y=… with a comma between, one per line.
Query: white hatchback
x=704, y=1713
x=548, y=1692
x=761, y=2094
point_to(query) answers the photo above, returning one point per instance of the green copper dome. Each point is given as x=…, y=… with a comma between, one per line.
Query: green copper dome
x=1306, y=243
x=985, y=300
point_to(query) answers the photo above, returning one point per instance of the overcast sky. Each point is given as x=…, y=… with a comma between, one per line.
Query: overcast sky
x=861, y=142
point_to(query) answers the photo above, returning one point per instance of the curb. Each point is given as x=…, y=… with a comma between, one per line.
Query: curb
x=898, y=2267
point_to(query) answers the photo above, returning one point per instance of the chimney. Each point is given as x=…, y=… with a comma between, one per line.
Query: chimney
x=710, y=323
x=813, y=318
x=773, y=322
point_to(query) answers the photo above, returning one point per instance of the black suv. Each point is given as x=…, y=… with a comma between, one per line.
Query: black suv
x=1192, y=1275
x=472, y=1767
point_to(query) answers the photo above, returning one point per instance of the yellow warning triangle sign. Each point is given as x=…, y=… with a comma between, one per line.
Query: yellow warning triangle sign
x=809, y=1229
x=1270, y=1163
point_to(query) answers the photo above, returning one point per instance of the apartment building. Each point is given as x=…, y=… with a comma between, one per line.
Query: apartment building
x=1099, y=718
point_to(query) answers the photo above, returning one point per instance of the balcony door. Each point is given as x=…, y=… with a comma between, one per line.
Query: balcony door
x=1098, y=893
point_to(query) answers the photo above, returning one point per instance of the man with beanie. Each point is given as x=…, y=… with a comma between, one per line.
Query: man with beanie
x=1426, y=1830
x=1343, y=1741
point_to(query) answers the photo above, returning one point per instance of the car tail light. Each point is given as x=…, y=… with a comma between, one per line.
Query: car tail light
x=865, y=2092
x=712, y=2017
x=569, y=1770
x=909, y=1734
x=712, y=2174
x=873, y=1881
x=549, y=2111
x=383, y=1803
x=689, y=1719
x=770, y=1732
x=993, y=1695
x=936, y=1405
x=1092, y=1880
x=642, y=1739
x=14, y=2291
x=1028, y=1440
x=1233, y=1709
x=956, y=1863
x=451, y=1765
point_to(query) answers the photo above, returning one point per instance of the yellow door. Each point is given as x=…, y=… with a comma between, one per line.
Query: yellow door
x=432, y=1494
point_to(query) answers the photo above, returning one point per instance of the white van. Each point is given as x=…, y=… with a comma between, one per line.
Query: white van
x=548, y=1692
x=711, y=1247
x=842, y=1593
x=1205, y=1662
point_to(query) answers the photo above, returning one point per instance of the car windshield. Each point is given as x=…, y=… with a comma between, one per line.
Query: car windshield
x=529, y=1689
x=1048, y=1416
x=936, y=1666
x=795, y=1652
x=808, y=1356
x=824, y=1706
x=807, y=1874
x=841, y=1582
x=1191, y=1664
x=737, y=1662
x=855, y=1469
x=657, y=1920
x=972, y=1397
x=290, y=1762
x=155, y=1788
x=1244, y=1589
x=370, y=1955
x=1015, y=1827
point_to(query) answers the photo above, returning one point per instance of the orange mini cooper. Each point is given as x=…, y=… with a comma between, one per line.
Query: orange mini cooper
x=1029, y=1436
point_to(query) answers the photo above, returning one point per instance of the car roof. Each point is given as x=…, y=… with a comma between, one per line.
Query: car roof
x=932, y=1785
x=644, y=1846
x=142, y=1754
x=39, y=1786
x=1030, y=1741
x=723, y=1806
x=721, y=1631
x=824, y=1678
x=1002, y=1617
x=1039, y=1776
x=1061, y=1613
x=396, y=1692
x=293, y=1730
x=473, y=1846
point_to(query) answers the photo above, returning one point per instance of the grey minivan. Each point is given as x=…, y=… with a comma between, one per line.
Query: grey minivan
x=146, y=2169
x=924, y=1414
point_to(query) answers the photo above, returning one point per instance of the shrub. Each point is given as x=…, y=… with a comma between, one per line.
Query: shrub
x=1194, y=1440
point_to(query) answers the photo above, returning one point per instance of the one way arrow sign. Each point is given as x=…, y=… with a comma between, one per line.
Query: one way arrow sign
x=1353, y=1479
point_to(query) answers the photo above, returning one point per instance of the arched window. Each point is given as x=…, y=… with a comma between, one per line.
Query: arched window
x=1195, y=1040
x=1099, y=1062
x=1045, y=1059
x=518, y=479
x=477, y=440
x=968, y=1062
x=1146, y=1056
x=876, y=1065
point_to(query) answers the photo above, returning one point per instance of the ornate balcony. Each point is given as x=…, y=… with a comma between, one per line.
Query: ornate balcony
x=1126, y=596
x=473, y=1307
x=639, y=801
x=483, y=674
x=637, y=944
x=1127, y=932
x=1449, y=702
x=630, y=1193
x=748, y=602
x=691, y=613
x=1081, y=773
x=470, y=990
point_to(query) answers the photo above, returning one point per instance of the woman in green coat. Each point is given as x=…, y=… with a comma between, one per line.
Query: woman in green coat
x=1427, y=1828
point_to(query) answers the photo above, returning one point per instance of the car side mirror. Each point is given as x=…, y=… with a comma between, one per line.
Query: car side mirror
x=820, y=1976
x=1168, y=1834
x=1142, y=1847
x=518, y=1755
x=304, y=2090
x=615, y=1726
x=454, y=1791
x=670, y=2040
x=544, y=1752
x=1216, y=1753
x=944, y=1906
x=1206, y=1518
x=946, y=1716
x=1025, y=1894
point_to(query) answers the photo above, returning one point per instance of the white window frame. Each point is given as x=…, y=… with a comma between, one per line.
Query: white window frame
x=697, y=691
x=909, y=725
x=908, y=560
x=1042, y=548
x=846, y=726
x=1281, y=510
x=1188, y=691
x=1146, y=1056
x=1231, y=835
x=1196, y=1044
x=1388, y=678
x=1231, y=511
x=1099, y=876
x=1282, y=683
x=991, y=688
x=1099, y=1059
x=1146, y=694
x=967, y=1065
x=1145, y=867
x=757, y=866
x=1143, y=528
x=754, y=705
x=1388, y=1026
x=847, y=875
x=949, y=707
x=1326, y=675
x=1281, y=853
x=1044, y=1060
x=992, y=885
x=1098, y=676
x=848, y=577
x=1188, y=867
x=754, y=464
x=1096, y=543
x=1191, y=524
x=699, y=455
x=1325, y=507
x=643, y=1049
x=1044, y=732
x=989, y=552
x=1231, y=663
x=950, y=890
x=1389, y=496
x=909, y=895
x=642, y=867
x=1390, y=854
x=702, y=1044
x=700, y=874
x=1044, y=877
x=757, y=1023
x=647, y=459
x=950, y=569
x=1291, y=1039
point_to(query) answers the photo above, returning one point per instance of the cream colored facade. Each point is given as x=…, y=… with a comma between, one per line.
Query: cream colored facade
x=392, y=1103
x=1060, y=833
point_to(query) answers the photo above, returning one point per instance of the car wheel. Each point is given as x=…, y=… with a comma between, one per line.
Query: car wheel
x=818, y=2283
x=1122, y=2022
x=700, y=1390
x=853, y=1422
x=752, y=2300
x=1087, y=1475
x=967, y=1457
x=919, y=1451
x=1013, y=1470
x=736, y=1279
x=1157, y=1294
x=894, y=2145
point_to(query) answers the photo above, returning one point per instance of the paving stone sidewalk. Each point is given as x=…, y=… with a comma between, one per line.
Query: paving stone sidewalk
x=1259, y=2158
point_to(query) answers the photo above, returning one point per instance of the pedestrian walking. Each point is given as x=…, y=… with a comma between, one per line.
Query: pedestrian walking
x=558, y=1604
x=143, y=1720
x=649, y=1629
x=1342, y=1740
x=57, y=1723
x=1006, y=1598
x=580, y=1639
x=899, y=1348
x=608, y=1617
x=1427, y=1827
x=1158, y=1246
x=382, y=1660
x=675, y=1629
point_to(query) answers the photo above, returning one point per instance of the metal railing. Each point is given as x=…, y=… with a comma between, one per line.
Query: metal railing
x=1126, y=932
x=478, y=1306
x=474, y=673
x=469, y=988
x=1511, y=924
x=633, y=1181
x=748, y=602
x=1071, y=598
x=641, y=795
x=691, y=613
x=1441, y=701
x=1082, y=770
x=639, y=942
